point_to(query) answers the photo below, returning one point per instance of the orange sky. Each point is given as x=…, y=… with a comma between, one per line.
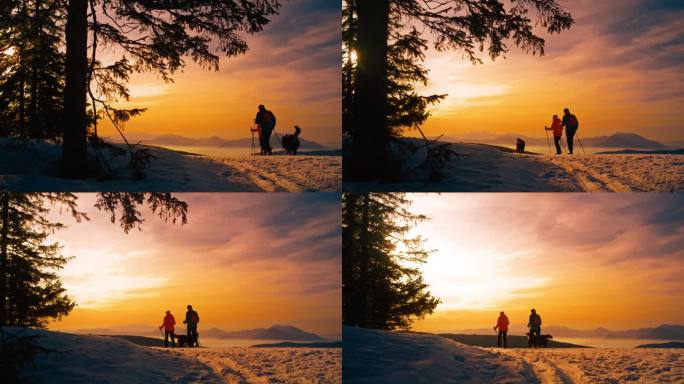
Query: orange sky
x=580, y=260
x=619, y=69
x=243, y=261
x=292, y=67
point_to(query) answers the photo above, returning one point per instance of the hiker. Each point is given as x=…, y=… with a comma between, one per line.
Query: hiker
x=191, y=319
x=535, y=325
x=502, y=326
x=168, y=324
x=571, y=125
x=557, y=128
x=266, y=121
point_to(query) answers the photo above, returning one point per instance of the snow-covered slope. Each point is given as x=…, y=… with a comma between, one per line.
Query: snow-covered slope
x=485, y=168
x=80, y=359
x=372, y=356
x=599, y=365
x=35, y=169
x=272, y=365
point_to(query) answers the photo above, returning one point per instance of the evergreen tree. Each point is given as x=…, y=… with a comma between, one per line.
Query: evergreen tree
x=382, y=286
x=155, y=35
x=31, y=68
x=468, y=26
x=31, y=293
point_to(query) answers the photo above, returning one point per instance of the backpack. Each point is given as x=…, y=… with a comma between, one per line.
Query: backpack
x=572, y=121
x=537, y=320
x=268, y=117
x=195, y=317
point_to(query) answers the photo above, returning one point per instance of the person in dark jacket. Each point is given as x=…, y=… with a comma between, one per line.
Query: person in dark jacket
x=534, y=324
x=191, y=320
x=571, y=125
x=266, y=121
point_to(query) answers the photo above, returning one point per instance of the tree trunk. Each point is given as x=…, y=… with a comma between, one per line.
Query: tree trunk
x=363, y=275
x=34, y=129
x=3, y=258
x=74, y=150
x=370, y=96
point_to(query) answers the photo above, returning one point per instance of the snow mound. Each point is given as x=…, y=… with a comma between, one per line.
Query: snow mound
x=272, y=365
x=487, y=168
x=76, y=359
x=35, y=169
x=372, y=356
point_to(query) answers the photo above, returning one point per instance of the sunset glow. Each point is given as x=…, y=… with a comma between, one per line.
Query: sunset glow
x=292, y=67
x=618, y=68
x=240, y=261
x=580, y=260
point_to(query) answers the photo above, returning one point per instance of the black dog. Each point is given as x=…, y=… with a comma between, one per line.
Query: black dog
x=184, y=341
x=291, y=142
x=538, y=341
x=520, y=145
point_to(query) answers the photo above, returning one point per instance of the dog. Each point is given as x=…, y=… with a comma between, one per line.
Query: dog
x=520, y=145
x=541, y=341
x=184, y=340
x=291, y=142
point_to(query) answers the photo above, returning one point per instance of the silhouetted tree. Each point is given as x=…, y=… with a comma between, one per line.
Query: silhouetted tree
x=154, y=35
x=381, y=286
x=31, y=68
x=468, y=26
x=30, y=290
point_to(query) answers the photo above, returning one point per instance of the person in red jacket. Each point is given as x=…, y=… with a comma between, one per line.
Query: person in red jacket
x=168, y=324
x=557, y=129
x=502, y=326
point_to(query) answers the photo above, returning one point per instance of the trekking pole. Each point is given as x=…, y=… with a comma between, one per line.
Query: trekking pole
x=252, y=151
x=162, y=334
x=580, y=142
x=548, y=144
x=563, y=145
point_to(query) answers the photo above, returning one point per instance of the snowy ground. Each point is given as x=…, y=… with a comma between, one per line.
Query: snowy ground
x=272, y=365
x=600, y=365
x=372, y=356
x=485, y=168
x=35, y=169
x=77, y=359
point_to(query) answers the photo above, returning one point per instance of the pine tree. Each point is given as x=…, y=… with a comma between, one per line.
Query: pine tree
x=155, y=35
x=468, y=26
x=31, y=68
x=382, y=286
x=31, y=293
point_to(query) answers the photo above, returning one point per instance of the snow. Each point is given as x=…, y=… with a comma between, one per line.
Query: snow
x=602, y=365
x=76, y=359
x=372, y=356
x=35, y=169
x=272, y=365
x=486, y=168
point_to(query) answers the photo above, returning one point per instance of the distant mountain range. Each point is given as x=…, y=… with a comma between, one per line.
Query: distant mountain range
x=276, y=332
x=672, y=344
x=661, y=332
x=215, y=141
x=512, y=341
x=616, y=140
x=289, y=344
